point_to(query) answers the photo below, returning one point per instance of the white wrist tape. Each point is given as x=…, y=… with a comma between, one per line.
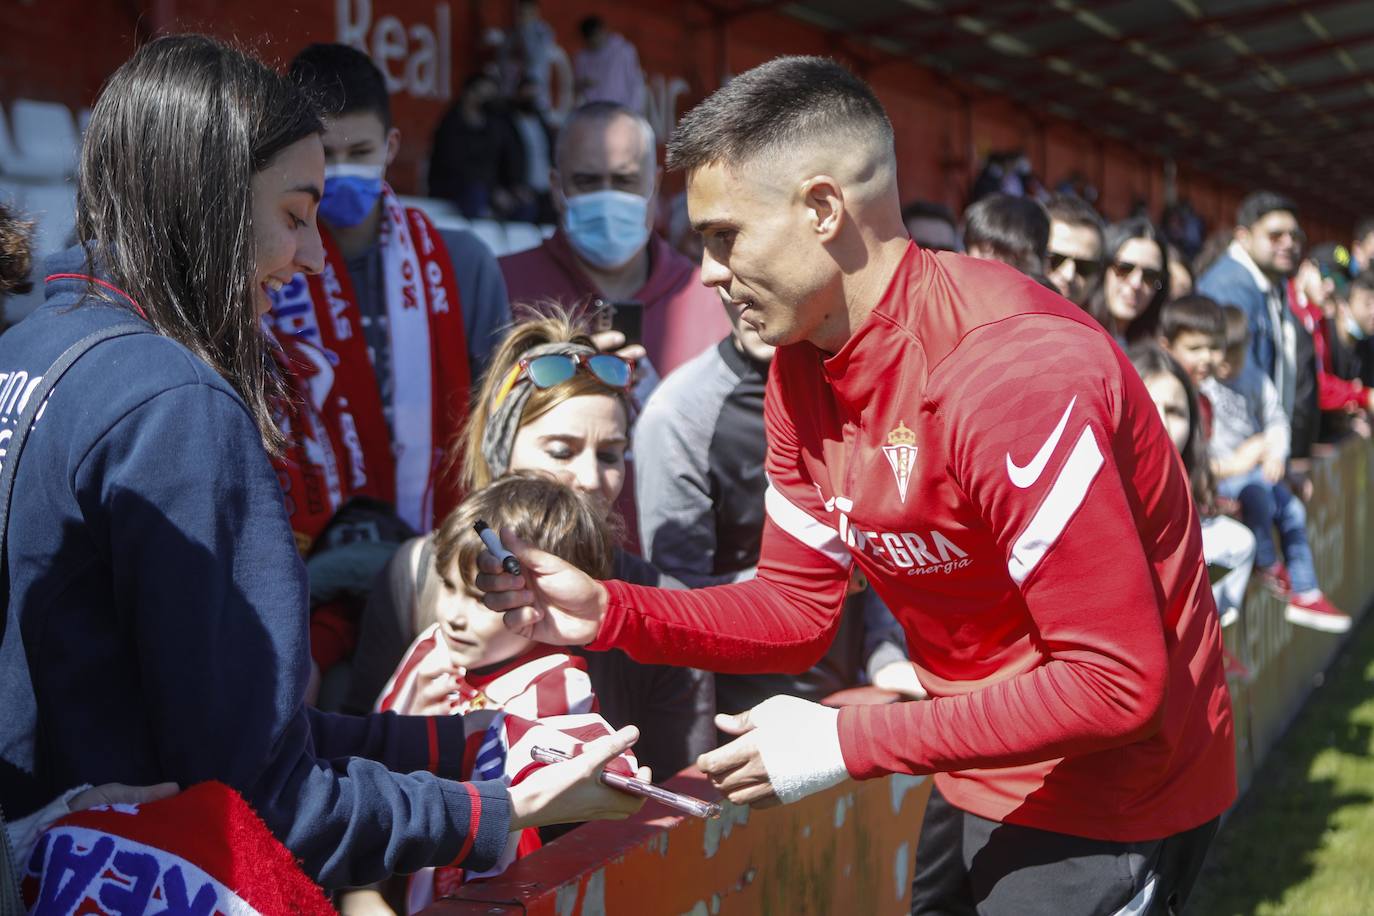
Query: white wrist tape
x=800, y=745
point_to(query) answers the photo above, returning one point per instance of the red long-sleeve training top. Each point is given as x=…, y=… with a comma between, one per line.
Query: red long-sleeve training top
x=991, y=461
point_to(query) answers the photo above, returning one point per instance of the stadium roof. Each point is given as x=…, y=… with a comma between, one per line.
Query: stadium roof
x=1276, y=93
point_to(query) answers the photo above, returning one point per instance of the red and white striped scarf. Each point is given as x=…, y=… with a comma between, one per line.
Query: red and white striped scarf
x=429, y=357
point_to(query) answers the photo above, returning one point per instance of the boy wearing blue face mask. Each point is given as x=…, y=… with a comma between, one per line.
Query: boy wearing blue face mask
x=411, y=308
x=605, y=191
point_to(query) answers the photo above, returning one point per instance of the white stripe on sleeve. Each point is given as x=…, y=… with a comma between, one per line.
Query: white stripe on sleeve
x=1069, y=490
x=797, y=522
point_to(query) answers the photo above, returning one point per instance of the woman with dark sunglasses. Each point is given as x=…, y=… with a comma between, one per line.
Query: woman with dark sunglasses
x=551, y=402
x=1135, y=284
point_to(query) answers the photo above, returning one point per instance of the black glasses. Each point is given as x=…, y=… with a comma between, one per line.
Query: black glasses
x=556, y=368
x=1152, y=277
x=1082, y=267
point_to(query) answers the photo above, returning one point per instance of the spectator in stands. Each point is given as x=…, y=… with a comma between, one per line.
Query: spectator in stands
x=374, y=244
x=1249, y=448
x=551, y=403
x=1013, y=230
x=477, y=161
x=466, y=660
x=931, y=226
x=605, y=191
x=1322, y=278
x=607, y=67
x=1134, y=286
x=1075, y=248
x=534, y=41
x=536, y=140
x=1353, y=340
x=403, y=372
x=1192, y=332
x=699, y=450
x=1181, y=281
x=1251, y=275
x=1227, y=545
x=1362, y=248
x=147, y=522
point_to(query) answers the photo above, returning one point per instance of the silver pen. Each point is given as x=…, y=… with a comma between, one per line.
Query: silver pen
x=683, y=803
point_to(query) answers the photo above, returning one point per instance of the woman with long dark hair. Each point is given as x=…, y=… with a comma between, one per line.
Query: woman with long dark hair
x=156, y=620
x=1136, y=282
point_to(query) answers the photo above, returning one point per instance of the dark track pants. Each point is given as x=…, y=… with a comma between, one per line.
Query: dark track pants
x=967, y=865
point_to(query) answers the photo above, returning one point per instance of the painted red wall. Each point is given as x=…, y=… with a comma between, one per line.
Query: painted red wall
x=63, y=49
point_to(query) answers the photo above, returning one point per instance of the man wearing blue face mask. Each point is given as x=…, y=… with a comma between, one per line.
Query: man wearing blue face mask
x=605, y=191
x=403, y=318
x=384, y=259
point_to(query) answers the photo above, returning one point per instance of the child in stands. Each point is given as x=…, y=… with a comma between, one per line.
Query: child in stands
x=466, y=660
x=1249, y=449
x=1227, y=545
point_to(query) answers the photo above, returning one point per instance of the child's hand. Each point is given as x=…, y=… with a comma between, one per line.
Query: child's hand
x=434, y=686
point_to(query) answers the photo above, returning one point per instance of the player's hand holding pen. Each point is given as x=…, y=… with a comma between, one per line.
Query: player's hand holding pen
x=543, y=597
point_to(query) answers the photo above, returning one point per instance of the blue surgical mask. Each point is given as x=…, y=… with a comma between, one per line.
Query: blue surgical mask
x=607, y=228
x=1352, y=327
x=350, y=193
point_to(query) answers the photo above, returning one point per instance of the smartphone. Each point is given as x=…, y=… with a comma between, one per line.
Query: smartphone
x=628, y=319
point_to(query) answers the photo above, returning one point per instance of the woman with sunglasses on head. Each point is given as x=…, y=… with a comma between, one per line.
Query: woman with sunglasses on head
x=1135, y=284
x=156, y=622
x=551, y=402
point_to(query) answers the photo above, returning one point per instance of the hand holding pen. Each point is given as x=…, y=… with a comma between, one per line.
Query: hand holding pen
x=638, y=787
x=492, y=541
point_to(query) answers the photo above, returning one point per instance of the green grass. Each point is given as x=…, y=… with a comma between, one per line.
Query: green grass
x=1302, y=841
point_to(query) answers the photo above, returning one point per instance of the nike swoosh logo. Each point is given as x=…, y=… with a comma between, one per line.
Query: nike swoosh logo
x=1026, y=476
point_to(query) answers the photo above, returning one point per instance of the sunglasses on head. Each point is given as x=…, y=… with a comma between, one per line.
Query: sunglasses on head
x=1150, y=276
x=1082, y=267
x=554, y=369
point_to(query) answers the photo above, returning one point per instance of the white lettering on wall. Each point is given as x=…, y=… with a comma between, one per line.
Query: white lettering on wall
x=417, y=60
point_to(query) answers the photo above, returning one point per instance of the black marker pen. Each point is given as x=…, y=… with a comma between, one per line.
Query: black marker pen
x=508, y=561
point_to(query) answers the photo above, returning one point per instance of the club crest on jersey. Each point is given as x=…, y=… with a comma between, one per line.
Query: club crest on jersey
x=901, y=454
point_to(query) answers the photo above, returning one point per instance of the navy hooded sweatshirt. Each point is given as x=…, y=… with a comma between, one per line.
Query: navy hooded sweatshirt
x=157, y=621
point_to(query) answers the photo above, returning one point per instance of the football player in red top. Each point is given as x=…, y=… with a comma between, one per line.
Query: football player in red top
x=990, y=460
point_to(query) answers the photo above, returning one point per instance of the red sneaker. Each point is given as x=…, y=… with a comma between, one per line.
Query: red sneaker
x=1276, y=577
x=1317, y=613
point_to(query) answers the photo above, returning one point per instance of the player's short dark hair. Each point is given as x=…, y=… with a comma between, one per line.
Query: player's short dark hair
x=1364, y=228
x=1237, y=325
x=1196, y=314
x=1016, y=229
x=1257, y=204
x=342, y=80
x=775, y=105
